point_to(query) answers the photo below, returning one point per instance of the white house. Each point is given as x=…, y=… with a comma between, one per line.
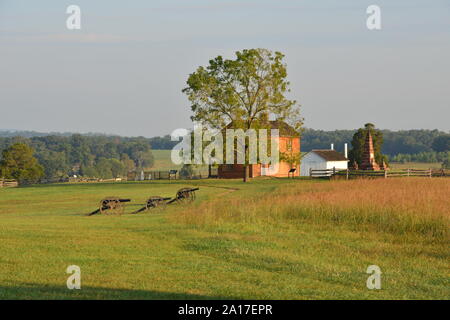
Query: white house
x=321, y=160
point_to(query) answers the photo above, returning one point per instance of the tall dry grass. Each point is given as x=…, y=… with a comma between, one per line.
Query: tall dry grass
x=403, y=205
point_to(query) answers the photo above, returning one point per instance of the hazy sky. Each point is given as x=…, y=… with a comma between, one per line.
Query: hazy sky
x=124, y=70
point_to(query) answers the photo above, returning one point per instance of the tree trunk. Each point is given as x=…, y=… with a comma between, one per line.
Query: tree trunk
x=246, y=168
x=246, y=172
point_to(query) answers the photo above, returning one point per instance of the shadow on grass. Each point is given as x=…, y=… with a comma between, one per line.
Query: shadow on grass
x=33, y=291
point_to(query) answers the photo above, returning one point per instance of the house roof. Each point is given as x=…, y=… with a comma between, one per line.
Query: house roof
x=330, y=155
x=284, y=128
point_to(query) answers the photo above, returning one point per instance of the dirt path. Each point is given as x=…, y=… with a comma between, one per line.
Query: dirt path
x=228, y=189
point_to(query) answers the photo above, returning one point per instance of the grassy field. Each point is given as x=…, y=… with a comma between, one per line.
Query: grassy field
x=163, y=161
x=415, y=165
x=267, y=239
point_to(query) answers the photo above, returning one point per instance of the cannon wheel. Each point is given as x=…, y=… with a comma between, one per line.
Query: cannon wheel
x=155, y=202
x=185, y=195
x=111, y=206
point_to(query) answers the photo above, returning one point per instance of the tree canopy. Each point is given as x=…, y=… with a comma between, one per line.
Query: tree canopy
x=441, y=143
x=90, y=156
x=241, y=90
x=244, y=91
x=19, y=163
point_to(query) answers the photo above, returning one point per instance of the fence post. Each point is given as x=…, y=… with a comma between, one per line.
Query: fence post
x=347, y=173
x=385, y=174
x=334, y=170
x=431, y=173
x=310, y=172
x=408, y=172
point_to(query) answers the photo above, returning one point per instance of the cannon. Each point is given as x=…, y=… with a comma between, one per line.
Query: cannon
x=110, y=206
x=154, y=202
x=184, y=195
x=115, y=205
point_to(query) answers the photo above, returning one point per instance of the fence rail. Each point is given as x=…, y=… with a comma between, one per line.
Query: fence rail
x=172, y=175
x=8, y=183
x=348, y=174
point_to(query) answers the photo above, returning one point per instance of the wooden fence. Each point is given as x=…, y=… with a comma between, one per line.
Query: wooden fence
x=172, y=175
x=166, y=175
x=160, y=175
x=349, y=174
x=8, y=183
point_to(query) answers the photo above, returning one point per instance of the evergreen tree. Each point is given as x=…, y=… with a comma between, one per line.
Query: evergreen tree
x=358, y=142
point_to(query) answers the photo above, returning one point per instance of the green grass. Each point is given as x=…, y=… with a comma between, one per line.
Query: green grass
x=415, y=165
x=158, y=256
x=163, y=161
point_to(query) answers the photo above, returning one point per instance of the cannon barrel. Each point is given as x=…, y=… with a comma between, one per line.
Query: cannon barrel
x=93, y=212
x=152, y=202
x=191, y=189
x=124, y=200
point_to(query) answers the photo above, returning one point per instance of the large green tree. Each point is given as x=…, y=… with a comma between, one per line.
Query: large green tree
x=19, y=163
x=358, y=142
x=242, y=91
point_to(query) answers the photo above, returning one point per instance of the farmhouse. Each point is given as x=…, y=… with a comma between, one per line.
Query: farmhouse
x=289, y=144
x=323, y=159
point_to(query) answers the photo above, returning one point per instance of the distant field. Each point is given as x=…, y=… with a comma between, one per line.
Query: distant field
x=267, y=239
x=415, y=165
x=163, y=161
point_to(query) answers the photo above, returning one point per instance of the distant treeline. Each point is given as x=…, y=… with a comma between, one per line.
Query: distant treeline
x=432, y=156
x=395, y=142
x=92, y=156
x=103, y=156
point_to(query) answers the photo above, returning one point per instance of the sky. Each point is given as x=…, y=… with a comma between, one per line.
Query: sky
x=123, y=71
